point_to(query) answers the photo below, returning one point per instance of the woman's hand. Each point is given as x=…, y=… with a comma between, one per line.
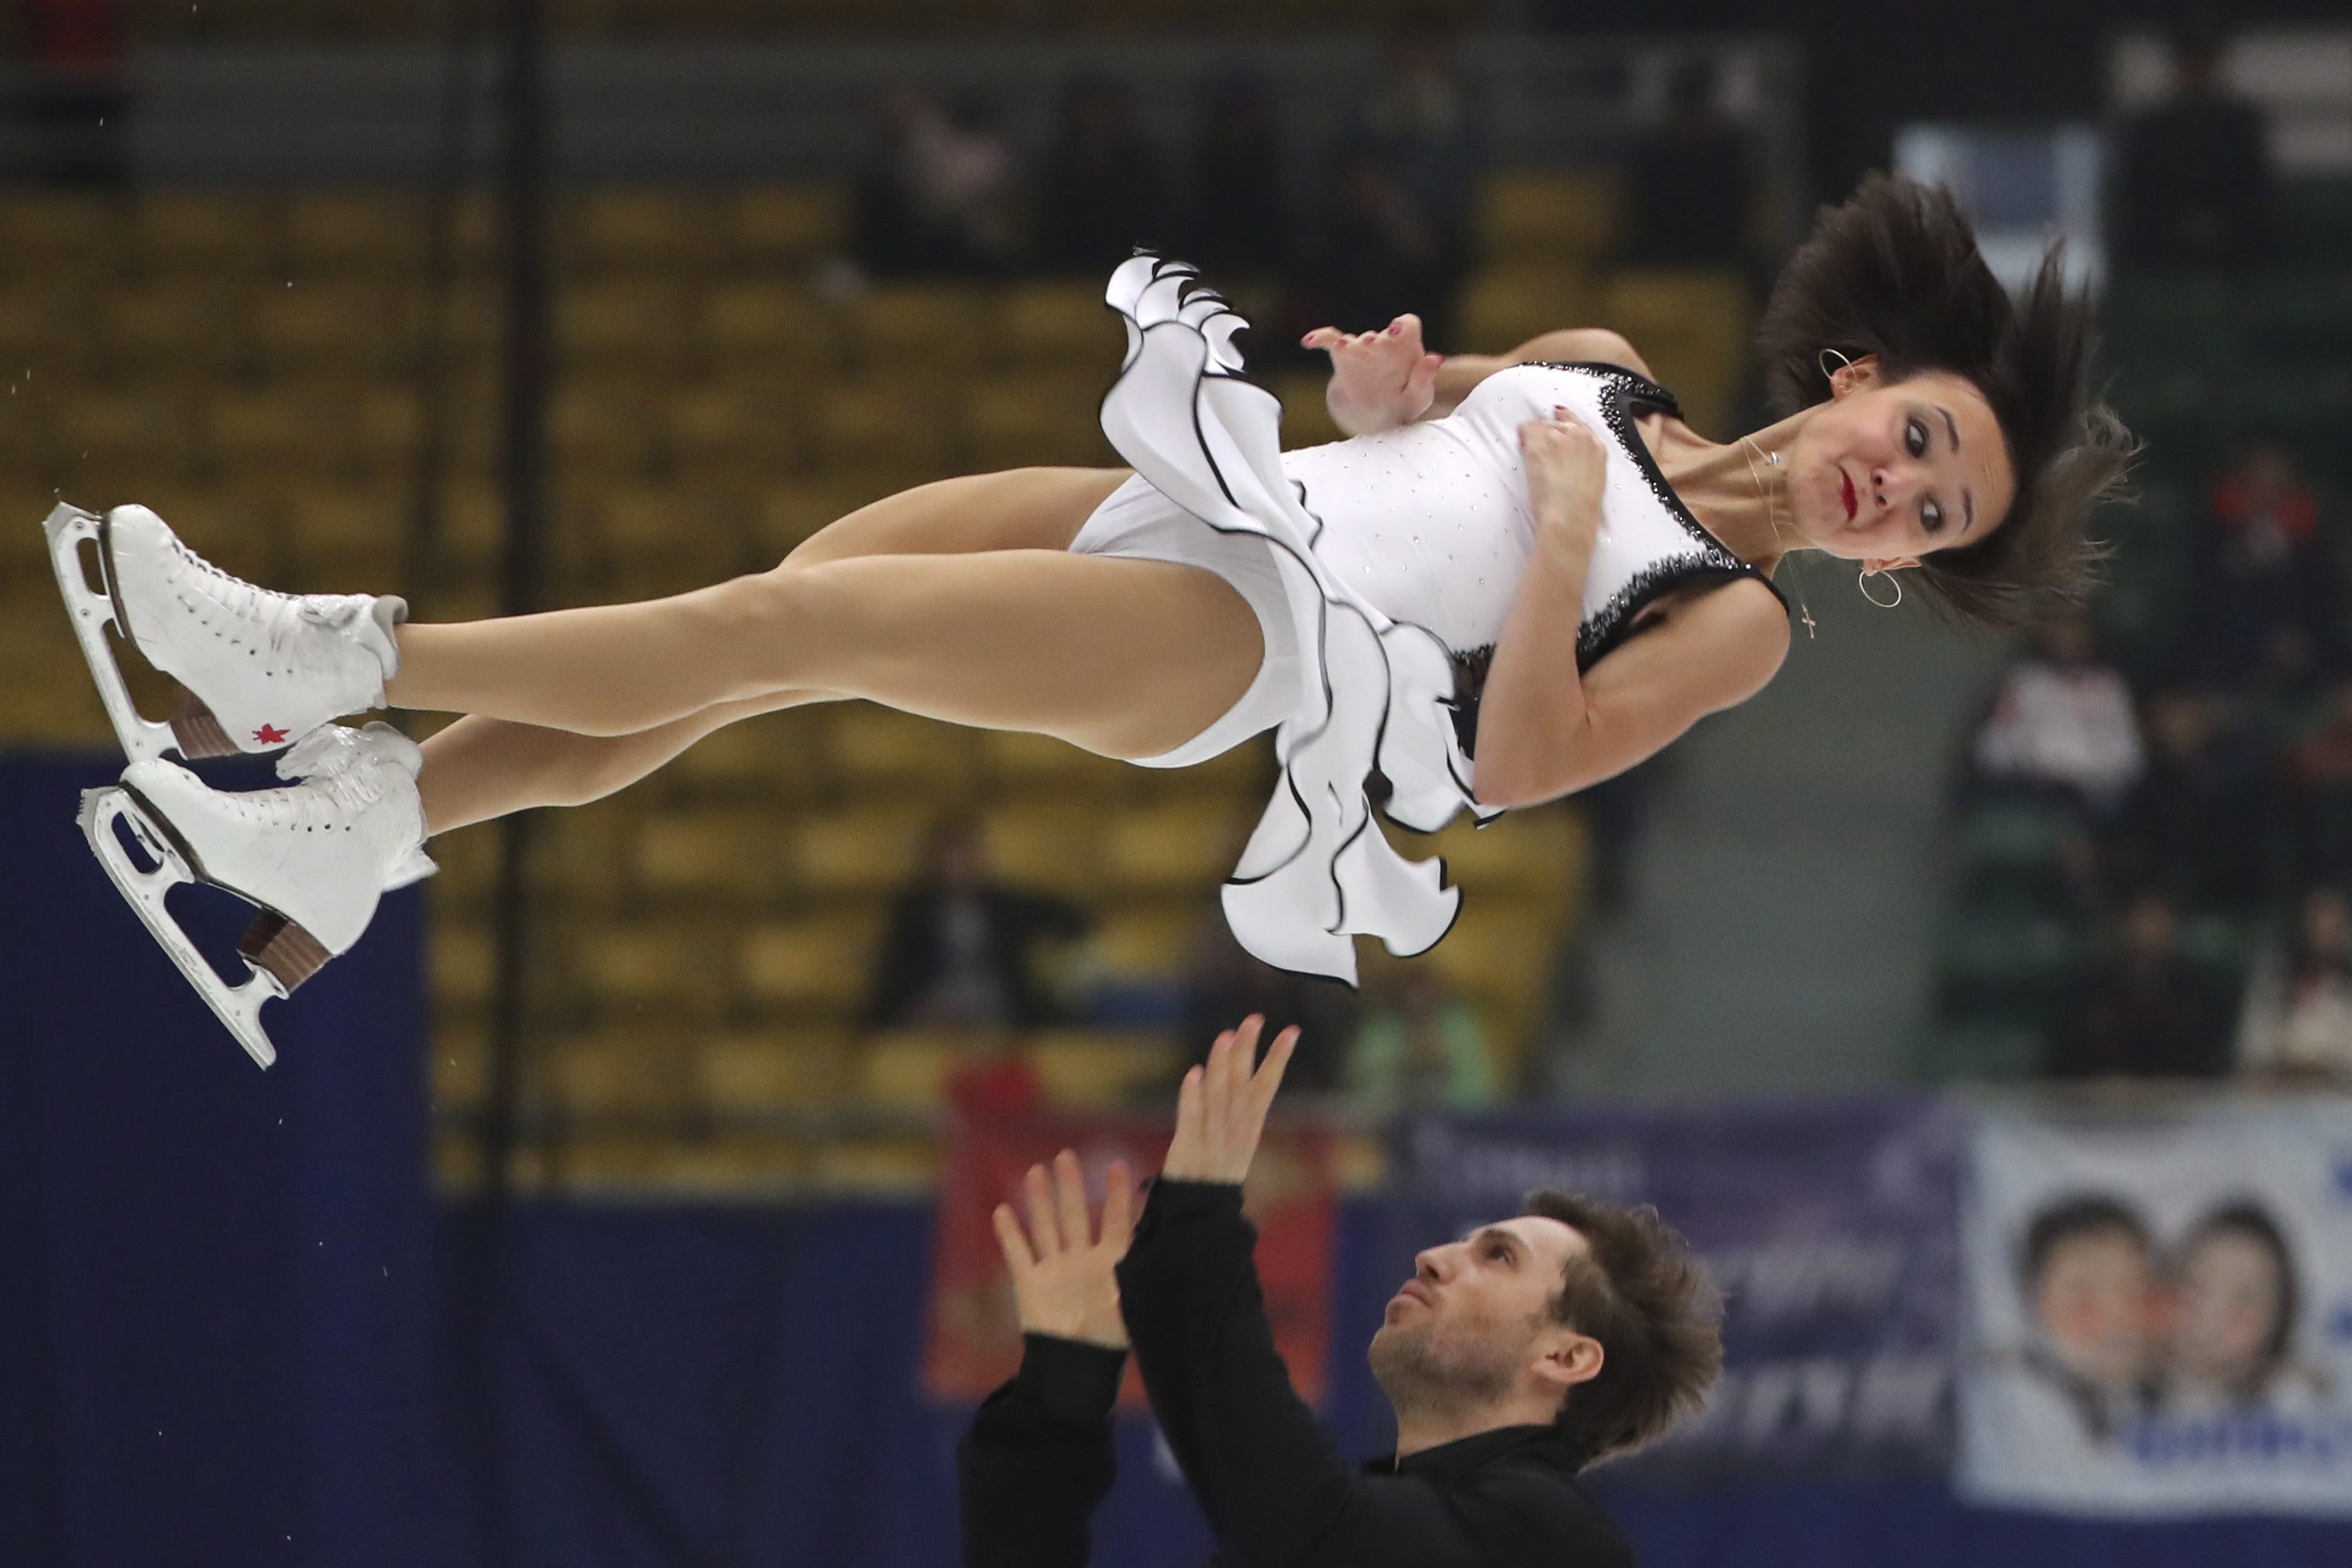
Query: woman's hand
x=1064, y=1283
x=1221, y=1107
x=1567, y=463
x=1380, y=380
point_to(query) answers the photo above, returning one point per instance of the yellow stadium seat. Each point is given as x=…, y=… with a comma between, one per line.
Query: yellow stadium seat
x=356, y=536
x=1550, y=216
x=778, y=1071
x=1182, y=844
x=639, y=323
x=468, y=875
x=901, y=423
x=181, y=236
x=575, y=857
x=735, y=1164
x=190, y=330
x=1091, y=1071
x=936, y=328
x=792, y=512
x=1538, y=854
x=703, y=855
x=768, y=324
x=647, y=529
x=873, y=751
x=49, y=326
x=1015, y=421
x=764, y=759
x=657, y=231
x=865, y=848
x=632, y=1073
x=1149, y=940
x=59, y=230
x=903, y=1163
x=782, y=223
x=604, y=428
x=1061, y=326
x=670, y=969
x=1039, y=766
x=376, y=234
x=722, y=430
x=1051, y=844
x=1502, y=308
x=807, y=965
x=906, y=1069
x=274, y=432
x=1306, y=417
x=103, y=433
x=460, y=1069
x=351, y=329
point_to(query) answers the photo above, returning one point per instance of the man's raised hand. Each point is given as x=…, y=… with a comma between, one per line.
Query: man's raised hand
x=1063, y=1279
x=1221, y=1109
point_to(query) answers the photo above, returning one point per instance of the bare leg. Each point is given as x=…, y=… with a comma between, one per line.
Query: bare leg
x=1127, y=658
x=480, y=767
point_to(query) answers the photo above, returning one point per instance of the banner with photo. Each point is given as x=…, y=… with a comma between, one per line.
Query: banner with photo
x=2160, y=1311
x=973, y=1339
x=1831, y=1227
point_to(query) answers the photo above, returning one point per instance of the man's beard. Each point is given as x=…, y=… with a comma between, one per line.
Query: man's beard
x=1426, y=1371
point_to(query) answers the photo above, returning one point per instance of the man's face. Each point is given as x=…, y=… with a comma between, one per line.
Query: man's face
x=2093, y=1303
x=1475, y=1316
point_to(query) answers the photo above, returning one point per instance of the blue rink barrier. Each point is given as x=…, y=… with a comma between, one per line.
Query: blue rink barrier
x=225, y=1337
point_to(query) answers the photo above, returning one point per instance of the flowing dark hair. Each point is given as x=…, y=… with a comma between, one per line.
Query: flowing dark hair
x=1894, y=272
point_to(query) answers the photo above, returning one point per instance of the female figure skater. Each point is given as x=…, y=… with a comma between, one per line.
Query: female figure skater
x=1519, y=576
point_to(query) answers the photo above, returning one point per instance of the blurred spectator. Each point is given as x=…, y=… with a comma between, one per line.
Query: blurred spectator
x=2145, y=1009
x=1420, y=1046
x=961, y=948
x=1397, y=234
x=75, y=99
x=1240, y=221
x=990, y=1079
x=2062, y=723
x=2319, y=787
x=2197, y=825
x=938, y=195
x=2296, y=1026
x=1381, y=254
x=1222, y=983
x=1689, y=186
x=1103, y=190
x=2193, y=185
x=2265, y=598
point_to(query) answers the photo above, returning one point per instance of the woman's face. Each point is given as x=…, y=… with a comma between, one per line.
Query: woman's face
x=2225, y=1305
x=1889, y=472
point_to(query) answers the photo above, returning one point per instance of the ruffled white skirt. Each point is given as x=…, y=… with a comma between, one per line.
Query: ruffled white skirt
x=1347, y=691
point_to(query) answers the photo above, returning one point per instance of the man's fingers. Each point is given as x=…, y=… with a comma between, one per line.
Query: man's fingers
x=1070, y=1192
x=1044, y=1230
x=1118, y=1209
x=1016, y=1245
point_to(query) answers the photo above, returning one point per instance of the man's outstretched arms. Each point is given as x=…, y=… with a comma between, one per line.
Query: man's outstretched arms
x=1038, y=1458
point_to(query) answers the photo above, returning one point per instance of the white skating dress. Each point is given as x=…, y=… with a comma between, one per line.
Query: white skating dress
x=1380, y=570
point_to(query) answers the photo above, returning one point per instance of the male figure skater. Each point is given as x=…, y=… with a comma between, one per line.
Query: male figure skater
x=1515, y=1357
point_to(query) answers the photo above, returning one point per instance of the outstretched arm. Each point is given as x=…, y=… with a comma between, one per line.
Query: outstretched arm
x=1272, y=1484
x=1386, y=379
x=1038, y=1458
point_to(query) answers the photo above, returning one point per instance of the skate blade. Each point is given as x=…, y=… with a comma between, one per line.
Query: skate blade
x=238, y=1006
x=69, y=528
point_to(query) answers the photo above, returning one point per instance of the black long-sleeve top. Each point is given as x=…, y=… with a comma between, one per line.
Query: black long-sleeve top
x=1039, y=1458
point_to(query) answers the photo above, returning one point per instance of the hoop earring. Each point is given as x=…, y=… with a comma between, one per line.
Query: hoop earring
x=1822, y=360
x=1862, y=582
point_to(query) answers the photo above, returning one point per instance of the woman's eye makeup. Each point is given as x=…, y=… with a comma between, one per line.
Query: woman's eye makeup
x=1915, y=438
x=1931, y=517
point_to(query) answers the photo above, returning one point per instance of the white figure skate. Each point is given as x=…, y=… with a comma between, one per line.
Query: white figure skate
x=314, y=858
x=256, y=669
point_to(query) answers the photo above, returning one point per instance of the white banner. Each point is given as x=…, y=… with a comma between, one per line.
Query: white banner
x=2160, y=1311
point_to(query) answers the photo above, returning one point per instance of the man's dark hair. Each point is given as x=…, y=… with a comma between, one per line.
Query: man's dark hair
x=2089, y=1214
x=1896, y=272
x=1658, y=1317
